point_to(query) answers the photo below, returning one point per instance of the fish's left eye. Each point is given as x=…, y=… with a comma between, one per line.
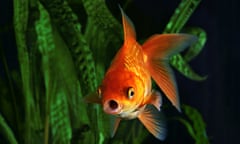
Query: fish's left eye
x=130, y=92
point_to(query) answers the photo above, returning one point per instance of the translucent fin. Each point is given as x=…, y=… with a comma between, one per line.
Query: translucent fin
x=92, y=98
x=115, y=121
x=165, y=45
x=154, y=121
x=197, y=47
x=158, y=49
x=128, y=27
x=156, y=99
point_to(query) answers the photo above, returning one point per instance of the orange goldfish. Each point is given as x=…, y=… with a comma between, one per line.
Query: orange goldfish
x=126, y=90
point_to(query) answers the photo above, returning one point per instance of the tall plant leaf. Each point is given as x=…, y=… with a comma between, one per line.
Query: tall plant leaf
x=175, y=25
x=195, y=125
x=7, y=132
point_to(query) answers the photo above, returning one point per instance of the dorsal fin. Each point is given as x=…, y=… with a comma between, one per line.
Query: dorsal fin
x=128, y=27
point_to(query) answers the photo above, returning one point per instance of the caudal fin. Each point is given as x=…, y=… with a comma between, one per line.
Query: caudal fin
x=158, y=49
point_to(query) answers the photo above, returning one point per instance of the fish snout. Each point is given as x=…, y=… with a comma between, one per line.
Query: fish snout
x=112, y=107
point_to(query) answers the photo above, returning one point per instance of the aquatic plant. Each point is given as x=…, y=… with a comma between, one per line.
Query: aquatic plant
x=62, y=57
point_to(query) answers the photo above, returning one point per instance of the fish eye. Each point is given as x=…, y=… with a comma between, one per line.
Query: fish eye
x=99, y=92
x=130, y=92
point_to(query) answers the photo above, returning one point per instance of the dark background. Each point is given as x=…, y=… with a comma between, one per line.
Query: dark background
x=217, y=98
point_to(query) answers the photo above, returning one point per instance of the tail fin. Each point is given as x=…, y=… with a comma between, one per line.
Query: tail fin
x=158, y=49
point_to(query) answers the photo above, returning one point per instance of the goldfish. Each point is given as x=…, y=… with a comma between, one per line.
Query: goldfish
x=126, y=90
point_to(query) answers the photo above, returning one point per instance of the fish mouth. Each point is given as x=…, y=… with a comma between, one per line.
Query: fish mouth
x=112, y=107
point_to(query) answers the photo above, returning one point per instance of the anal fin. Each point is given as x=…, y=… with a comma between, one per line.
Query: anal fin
x=115, y=121
x=154, y=121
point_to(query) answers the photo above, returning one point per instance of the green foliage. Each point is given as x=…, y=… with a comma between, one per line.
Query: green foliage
x=60, y=62
x=175, y=25
x=6, y=131
x=194, y=124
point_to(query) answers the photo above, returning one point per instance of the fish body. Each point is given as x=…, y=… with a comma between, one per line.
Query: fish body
x=126, y=90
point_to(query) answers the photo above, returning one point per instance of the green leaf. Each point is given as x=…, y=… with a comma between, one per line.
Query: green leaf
x=184, y=68
x=188, y=126
x=175, y=25
x=181, y=16
x=6, y=131
x=59, y=118
x=194, y=124
x=197, y=47
x=20, y=20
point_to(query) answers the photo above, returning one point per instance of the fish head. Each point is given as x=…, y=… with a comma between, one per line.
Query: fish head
x=121, y=92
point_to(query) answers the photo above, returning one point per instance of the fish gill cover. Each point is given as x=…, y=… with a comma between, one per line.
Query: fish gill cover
x=64, y=48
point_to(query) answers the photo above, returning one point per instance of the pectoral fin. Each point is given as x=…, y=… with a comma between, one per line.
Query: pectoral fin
x=92, y=98
x=154, y=121
x=156, y=99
